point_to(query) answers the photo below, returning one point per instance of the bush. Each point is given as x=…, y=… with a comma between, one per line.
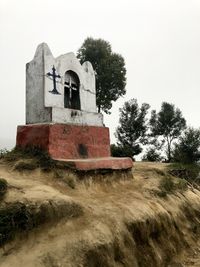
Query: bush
x=18, y=217
x=121, y=151
x=189, y=172
x=3, y=187
x=42, y=158
x=187, y=150
x=3, y=152
x=168, y=185
x=152, y=155
x=182, y=184
x=24, y=164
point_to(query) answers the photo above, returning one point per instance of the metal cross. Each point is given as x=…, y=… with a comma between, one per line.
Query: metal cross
x=54, y=76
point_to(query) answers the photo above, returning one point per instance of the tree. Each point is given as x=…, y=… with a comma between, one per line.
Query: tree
x=187, y=150
x=131, y=132
x=120, y=151
x=168, y=125
x=152, y=155
x=109, y=68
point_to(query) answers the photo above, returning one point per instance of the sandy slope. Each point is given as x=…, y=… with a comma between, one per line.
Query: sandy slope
x=104, y=229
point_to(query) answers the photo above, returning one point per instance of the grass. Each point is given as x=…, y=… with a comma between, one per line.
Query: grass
x=167, y=184
x=29, y=158
x=68, y=177
x=3, y=152
x=22, y=165
x=170, y=185
x=190, y=172
x=19, y=217
x=3, y=187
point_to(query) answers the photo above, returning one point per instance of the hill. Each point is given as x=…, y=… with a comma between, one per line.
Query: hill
x=62, y=218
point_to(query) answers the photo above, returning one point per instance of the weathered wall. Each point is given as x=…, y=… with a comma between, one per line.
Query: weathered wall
x=66, y=141
x=35, y=109
x=42, y=105
x=60, y=115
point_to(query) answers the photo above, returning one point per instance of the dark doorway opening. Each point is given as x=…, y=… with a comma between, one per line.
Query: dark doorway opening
x=71, y=91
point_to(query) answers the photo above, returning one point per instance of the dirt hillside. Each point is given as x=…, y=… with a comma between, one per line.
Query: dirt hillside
x=59, y=219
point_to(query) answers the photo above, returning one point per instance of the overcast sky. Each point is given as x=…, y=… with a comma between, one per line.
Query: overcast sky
x=159, y=39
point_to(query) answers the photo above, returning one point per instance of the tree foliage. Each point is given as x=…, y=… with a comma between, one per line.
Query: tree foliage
x=121, y=151
x=152, y=155
x=109, y=68
x=131, y=132
x=167, y=124
x=187, y=150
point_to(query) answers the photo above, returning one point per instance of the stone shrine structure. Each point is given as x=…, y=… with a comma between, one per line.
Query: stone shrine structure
x=61, y=114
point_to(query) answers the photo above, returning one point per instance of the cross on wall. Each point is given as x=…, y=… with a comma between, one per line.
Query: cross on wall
x=54, y=76
x=71, y=86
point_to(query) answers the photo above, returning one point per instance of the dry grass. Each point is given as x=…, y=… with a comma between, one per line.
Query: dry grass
x=122, y=224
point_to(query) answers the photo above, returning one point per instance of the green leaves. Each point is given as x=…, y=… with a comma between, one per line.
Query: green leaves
x=187, y=150
x=159, y=132
x=133, y=126
x=167, y=124
x=109, y=68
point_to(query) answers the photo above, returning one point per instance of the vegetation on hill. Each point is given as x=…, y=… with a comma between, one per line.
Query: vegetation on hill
x=28, y=158
x=161, y=133
x=167, y=124
x=109, y=68
x=145, y=220
x=132, y=130
x=164, y=135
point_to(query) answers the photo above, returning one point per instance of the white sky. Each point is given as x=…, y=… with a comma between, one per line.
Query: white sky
x=159, y=39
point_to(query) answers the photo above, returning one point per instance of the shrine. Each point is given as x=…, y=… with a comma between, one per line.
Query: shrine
x=61, y=113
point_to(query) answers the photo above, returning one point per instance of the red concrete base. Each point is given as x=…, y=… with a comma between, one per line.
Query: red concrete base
x=108, y=163
x=66, y=141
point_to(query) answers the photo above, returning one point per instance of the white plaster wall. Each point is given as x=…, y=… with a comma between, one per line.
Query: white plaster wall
x=72, y=116
x=43, y=106
x=35, y=109
x=89, y=87
x=86, y=76
x=51, y=100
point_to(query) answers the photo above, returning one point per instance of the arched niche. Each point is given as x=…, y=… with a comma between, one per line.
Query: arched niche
x=72, y=90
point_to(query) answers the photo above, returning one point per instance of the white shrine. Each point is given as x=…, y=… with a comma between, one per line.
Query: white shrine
x=60, y=90
x=61, y=113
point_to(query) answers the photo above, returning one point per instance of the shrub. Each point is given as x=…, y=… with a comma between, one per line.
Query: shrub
x=190, y=172
x=3, y=152
x=187, y=150
x=167, y=184
x=3, y=187
x=26, y=165
x=152, y=155
x=42, y=158
x=71, y=183
x=182, y=184
x=121, y=151
x=18, y=217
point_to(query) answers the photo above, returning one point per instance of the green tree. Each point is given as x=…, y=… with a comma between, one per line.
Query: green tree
x=167, y=124
x=187, y=150
x=132, y=129
x=109, y=68
x=121, y=151
x=152, y=155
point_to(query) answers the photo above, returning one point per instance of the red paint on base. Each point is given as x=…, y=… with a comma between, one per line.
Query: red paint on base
x=66, y=141
x=99, y=163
